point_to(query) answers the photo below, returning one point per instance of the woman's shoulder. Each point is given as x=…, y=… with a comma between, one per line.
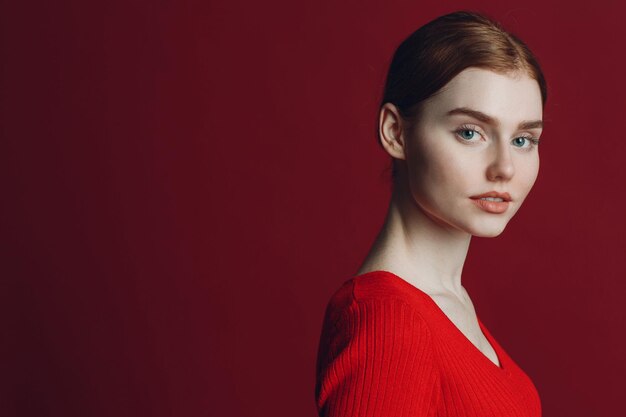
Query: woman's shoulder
x=371, y=328
x=385, y=285
x=378, y=288
x=340, y=300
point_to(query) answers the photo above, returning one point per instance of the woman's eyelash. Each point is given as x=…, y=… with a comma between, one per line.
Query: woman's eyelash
x=533, y=141
x=465, y=128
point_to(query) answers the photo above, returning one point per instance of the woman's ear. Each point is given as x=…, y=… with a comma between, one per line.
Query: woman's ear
x=390, y=131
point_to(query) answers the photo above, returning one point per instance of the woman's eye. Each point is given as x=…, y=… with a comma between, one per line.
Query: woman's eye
x=521, y=141
x=467, y=133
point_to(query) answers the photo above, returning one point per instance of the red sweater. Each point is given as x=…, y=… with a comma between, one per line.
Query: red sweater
x=387, y=350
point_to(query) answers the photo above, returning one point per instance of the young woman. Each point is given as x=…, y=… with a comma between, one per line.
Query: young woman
x=461, y=118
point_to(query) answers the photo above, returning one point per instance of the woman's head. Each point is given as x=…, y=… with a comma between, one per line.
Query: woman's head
x=455, y=114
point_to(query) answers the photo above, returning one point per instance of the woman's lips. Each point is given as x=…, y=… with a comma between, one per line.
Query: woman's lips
x=491, y=206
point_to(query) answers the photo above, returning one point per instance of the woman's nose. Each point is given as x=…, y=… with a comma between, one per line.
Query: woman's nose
x=501, y=163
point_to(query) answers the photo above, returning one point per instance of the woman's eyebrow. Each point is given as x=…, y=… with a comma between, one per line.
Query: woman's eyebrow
x=527, y=124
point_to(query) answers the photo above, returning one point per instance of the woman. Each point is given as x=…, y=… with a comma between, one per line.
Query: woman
x=461, y=118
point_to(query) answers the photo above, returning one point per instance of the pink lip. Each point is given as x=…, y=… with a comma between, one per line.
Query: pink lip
x=504, y=196
x=496, y=207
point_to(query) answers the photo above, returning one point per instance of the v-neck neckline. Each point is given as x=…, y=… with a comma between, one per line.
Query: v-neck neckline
x=465, y=341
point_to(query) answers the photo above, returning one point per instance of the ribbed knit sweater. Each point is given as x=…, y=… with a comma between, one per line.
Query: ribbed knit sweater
x=388, y=350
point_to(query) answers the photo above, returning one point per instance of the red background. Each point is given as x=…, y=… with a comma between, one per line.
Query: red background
x=186, y=183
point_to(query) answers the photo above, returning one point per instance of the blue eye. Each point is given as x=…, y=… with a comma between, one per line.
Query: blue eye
x=467, y=133
x=516, y=141
x=532, y=142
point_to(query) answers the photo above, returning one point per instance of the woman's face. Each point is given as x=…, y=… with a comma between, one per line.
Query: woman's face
x=474, y=137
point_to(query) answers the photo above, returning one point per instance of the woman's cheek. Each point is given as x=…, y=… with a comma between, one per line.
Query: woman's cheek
x=529, y=173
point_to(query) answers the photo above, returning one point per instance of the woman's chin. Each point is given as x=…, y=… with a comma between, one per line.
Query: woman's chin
x=489, y=234
x=488, y=229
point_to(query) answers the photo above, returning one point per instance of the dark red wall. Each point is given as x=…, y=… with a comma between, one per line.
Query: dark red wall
x=185, y=184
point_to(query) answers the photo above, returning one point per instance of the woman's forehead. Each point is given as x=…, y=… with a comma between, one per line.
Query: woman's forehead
x=505, y=98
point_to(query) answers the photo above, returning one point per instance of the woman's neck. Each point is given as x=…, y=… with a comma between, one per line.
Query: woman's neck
x=423, y=250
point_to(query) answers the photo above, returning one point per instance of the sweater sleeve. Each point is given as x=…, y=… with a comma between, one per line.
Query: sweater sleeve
x=376, y=359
